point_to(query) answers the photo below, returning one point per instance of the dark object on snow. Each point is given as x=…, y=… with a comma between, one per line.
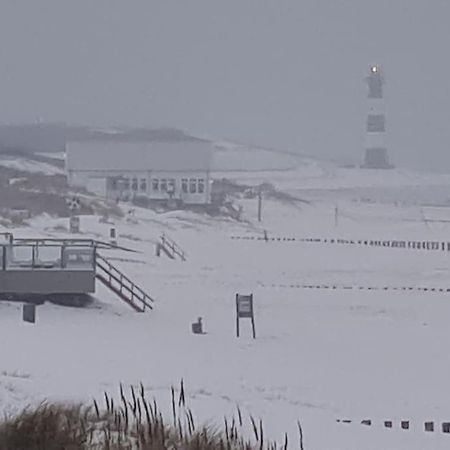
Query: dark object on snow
x=197, y=327
x=113, y=236
x=405, y=425
x=29, y=313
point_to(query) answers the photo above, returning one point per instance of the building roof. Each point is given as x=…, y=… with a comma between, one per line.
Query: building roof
x=112, y=155
x=52, y=137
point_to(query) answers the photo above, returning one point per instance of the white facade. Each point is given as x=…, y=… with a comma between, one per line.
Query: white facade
x=160, y=171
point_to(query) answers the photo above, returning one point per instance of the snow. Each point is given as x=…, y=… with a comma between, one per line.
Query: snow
x=229, y=156
x=53, y=155
x=320, y=355
x=28, y=165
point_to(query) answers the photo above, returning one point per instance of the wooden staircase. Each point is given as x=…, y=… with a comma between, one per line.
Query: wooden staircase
x=170, y=248
x=122, y=286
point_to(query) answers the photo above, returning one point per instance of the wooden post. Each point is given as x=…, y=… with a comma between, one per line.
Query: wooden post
x=29, y=313
x=253, y=319
x=63, y=256
x=259, y=205
x=237, y=315
x=113, y=236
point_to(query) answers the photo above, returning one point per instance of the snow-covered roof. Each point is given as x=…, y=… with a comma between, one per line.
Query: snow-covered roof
x=138, y=156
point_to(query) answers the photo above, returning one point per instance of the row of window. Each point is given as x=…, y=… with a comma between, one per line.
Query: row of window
x=169, y=185
x=188, y=185
x=164, y=185
x=130, y=183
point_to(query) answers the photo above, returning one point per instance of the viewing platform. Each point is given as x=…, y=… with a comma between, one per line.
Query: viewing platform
x=39, y=266
x=62, y=270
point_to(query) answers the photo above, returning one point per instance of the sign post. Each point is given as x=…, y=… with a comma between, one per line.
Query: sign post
x=244, y=310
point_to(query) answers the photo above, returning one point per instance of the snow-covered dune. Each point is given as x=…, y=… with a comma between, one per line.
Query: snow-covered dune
x=338, y=351
x=31, y=166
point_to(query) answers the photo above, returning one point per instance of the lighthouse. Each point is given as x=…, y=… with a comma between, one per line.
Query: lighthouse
x=376, y=155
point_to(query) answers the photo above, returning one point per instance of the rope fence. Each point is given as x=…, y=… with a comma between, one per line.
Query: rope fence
x=356, y=287
x=442, y=246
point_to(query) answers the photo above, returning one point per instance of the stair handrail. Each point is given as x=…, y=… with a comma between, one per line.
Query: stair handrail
x=134, y=299
x=131, y=301
x=167, y=241
x=133, y=288
x=122, y=275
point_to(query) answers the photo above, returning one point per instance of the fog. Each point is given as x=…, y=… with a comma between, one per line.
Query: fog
x=280, y=73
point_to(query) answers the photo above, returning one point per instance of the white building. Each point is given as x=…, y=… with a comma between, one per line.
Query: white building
x=160, y=171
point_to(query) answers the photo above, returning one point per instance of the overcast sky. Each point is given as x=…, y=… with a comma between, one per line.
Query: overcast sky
x=281, y=73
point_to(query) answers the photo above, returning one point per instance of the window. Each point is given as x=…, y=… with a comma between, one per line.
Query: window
x=376, y=123
x=73, y=257
x=134, y=184
x=126, y=184
x=163, y=185
x=171, y=185
x=192, y=186
x=143, y=185
x=201, y=186
x=155, y=185
x=184, y=185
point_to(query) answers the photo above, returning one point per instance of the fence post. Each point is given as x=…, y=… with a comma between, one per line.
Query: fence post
x=63, y=254
x=259, y=205
x=253, y=319
x=237, y=315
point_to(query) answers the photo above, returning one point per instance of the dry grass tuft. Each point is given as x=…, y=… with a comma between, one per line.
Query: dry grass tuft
x=47, y=427
x=131, y=422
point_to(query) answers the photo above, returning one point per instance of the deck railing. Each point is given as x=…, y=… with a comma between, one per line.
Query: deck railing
x=23, y=256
